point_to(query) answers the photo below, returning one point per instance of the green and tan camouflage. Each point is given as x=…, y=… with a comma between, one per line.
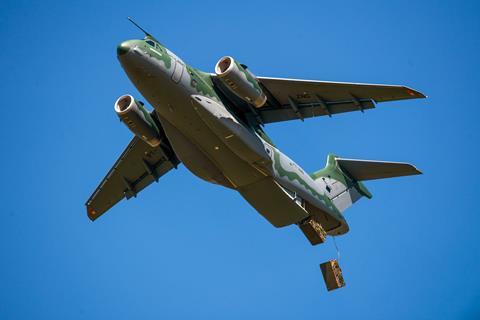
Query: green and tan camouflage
x=137, y=119
x=240, y=81
x=213, y=124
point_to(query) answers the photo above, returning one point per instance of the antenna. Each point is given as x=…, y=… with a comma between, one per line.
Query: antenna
x=136, y=25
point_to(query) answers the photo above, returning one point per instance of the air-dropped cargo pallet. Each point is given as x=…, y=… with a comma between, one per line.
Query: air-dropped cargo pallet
x=332, y=274
x=313, y=231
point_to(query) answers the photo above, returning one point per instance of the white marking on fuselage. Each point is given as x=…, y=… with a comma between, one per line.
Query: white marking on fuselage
x=160, y=54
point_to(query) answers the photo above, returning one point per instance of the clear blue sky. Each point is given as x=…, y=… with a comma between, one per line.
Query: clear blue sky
x=186, y=249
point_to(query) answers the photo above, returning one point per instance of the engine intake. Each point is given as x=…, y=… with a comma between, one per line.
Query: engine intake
x=134, y=115
x=240, y=81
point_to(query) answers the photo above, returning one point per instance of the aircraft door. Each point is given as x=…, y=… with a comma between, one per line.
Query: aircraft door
x=178, y=71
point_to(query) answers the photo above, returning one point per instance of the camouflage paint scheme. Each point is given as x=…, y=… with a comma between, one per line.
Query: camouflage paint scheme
x=219, y=148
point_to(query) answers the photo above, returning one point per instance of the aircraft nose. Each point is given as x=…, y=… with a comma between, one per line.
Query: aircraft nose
x=123, y=48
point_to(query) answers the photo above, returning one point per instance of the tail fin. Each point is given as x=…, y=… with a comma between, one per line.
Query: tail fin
x=342, y=177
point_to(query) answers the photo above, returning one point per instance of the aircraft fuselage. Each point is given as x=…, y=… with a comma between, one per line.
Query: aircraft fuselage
x=218, y=147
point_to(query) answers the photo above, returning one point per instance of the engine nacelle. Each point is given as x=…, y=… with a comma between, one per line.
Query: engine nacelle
x=137, y=119
x=240, y=81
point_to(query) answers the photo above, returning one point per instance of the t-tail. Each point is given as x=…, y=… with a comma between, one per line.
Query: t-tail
x=342, y=178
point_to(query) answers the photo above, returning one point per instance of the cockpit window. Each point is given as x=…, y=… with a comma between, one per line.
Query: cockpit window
x=150, y=42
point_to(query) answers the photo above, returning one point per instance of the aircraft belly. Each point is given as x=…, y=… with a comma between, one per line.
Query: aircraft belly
x=233, y=134
x=186, y=132
x=216, y=148
x=192, y=157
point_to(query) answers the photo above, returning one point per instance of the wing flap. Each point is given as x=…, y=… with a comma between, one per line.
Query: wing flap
x=315, y=109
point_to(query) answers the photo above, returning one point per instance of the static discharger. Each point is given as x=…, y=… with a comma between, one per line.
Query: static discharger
x=332, y=275
x=313, y=231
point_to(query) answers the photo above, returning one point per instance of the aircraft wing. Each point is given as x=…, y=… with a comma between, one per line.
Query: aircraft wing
x=298, y=99
x=138, y=166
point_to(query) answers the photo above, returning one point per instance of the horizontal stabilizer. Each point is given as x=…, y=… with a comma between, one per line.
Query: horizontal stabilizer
x=361, y=170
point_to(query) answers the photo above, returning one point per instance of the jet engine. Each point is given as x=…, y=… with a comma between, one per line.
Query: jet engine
x=137, y=119
x=240, y=81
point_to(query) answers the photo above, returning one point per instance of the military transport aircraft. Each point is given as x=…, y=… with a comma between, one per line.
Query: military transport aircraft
x=213, y=124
